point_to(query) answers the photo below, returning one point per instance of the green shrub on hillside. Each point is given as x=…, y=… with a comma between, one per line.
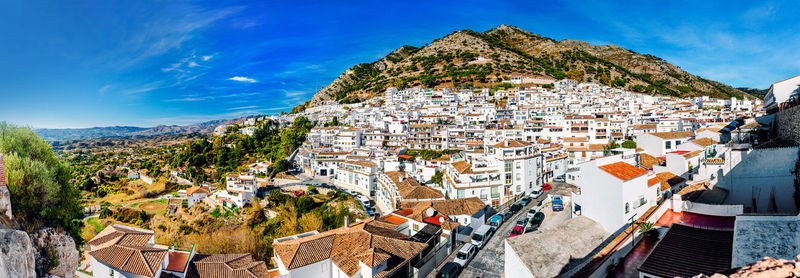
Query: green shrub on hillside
x=41, y=192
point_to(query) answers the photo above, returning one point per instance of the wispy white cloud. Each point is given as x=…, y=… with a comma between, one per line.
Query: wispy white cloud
x=104, y=89
x=243, y=79
x=192, y=64
x=164, y=32
x=138, y=91
x=207, y=57
x=243, y=107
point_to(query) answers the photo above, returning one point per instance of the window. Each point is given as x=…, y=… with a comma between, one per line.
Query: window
x=627, y=207
x=508, y=166
x=668, y=144
x=678, y=142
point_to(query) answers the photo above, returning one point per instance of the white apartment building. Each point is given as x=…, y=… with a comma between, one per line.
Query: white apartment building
x=357, y=175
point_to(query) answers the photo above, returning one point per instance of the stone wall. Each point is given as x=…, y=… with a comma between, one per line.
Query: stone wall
x=787, y=124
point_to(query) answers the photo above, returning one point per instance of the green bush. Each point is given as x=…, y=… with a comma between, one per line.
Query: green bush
x=41, y=192
x=629, y=144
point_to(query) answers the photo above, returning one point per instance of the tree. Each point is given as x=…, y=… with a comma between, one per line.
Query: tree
x=437, y=177
x=576, y=75
x=611, y=145
x=39, y=183
x=629, y=144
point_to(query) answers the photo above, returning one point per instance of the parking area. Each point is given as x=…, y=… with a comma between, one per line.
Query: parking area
x=489, y=261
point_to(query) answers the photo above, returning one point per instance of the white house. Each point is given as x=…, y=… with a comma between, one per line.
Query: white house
x=196, y=193
x=660, y=143
x=612, y=191
x=780, y=92
x=240, y=188
x=358, y=175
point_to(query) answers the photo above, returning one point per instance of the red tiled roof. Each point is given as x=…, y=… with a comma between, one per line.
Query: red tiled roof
x=347, y=246
x=673, y=134
x=177, y=261
x=227, y=265
x=623, y=171
x=653, y=181
x=394, y=219
x=512, y=144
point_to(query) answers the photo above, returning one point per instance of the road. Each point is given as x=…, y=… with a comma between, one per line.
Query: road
x=489, y=262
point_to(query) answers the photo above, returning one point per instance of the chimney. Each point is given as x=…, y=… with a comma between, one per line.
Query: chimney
x=505, y=143
x=346, y=222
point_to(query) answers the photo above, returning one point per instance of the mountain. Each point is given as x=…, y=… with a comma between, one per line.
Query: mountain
x=65, y=134
x=468, y=58
x=760, y=93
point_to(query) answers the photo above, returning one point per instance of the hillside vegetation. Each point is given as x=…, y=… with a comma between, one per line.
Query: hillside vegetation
x=470, y=59
x=41, y=192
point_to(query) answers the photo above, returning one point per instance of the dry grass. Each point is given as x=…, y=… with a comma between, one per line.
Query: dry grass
x=284, y=175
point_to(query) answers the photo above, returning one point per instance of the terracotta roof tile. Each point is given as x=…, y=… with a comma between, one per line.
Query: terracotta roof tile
x=511, y=144
x=623, y=171
x=347, y=246
x=462, y=167
x=668, y=180
x=673, y=134
x=705, y=142
x=226, y=265
x=647, y=161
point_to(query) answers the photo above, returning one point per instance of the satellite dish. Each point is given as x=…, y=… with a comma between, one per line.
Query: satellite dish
x=441, y=219
x=429, y=212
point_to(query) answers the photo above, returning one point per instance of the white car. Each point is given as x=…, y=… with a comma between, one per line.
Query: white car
x=536, y=193
x=465, y=254
x=532, y=211
x=536, y=207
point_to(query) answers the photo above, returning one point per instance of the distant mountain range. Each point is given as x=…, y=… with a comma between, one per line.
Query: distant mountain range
x=131, y=132
x=468, y=58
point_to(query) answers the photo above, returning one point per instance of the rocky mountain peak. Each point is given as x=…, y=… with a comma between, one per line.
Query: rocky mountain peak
x=470, y=59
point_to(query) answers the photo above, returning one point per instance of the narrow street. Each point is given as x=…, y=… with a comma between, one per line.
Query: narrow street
x=489, y=261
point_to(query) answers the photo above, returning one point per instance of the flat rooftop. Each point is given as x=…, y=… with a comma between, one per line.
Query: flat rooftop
x=557, y=250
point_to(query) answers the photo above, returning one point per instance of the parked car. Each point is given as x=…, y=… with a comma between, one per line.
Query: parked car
x=449, y=270
x=559, y=179
x=531, y=229
x=558, y=203
x=531, y=212
x=506, y=215
x=522, y=222
x=518, y=230
x=538, y=206
x=537, y=219
x=536, y=193
x=514, y=208
x=496, y=220
x=525, y=200
x=481, y=236
x=547, y=186
x=465, y=254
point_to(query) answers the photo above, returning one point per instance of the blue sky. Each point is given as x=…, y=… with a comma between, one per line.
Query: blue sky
x=145, y=63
